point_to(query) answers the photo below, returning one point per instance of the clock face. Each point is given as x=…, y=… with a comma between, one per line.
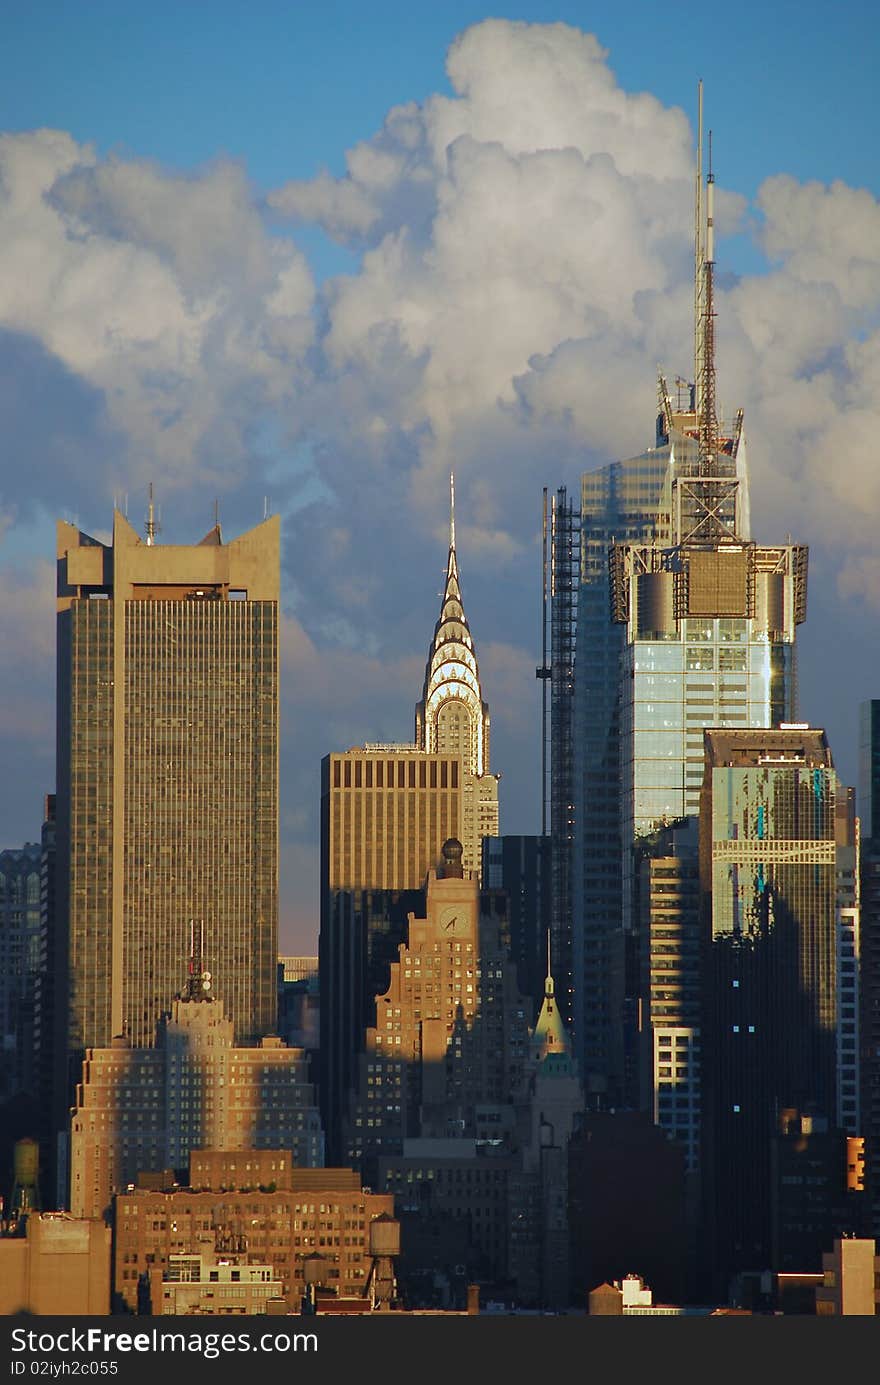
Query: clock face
x=450, y=921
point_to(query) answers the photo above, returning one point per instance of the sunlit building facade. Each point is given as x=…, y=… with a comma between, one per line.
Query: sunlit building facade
x=147, y=1109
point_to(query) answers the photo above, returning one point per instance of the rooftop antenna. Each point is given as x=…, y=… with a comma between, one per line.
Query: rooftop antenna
x=698, y=255
x=198, y=985
x=152, y=525
x=265, y=507
x=707, y=415
x=217, y=513
x=543, y=671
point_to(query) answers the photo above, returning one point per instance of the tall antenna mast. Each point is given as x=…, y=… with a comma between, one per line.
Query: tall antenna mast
x=707, y=416
x=451, y=509
x=151, y=528
x=544, y=671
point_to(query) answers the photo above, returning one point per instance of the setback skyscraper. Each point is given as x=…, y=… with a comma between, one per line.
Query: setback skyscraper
x=167, y=795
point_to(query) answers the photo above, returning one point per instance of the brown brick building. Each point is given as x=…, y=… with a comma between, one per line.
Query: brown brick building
x=322, y=1212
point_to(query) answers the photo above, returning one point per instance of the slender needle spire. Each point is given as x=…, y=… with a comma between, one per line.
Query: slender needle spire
x=452, y=509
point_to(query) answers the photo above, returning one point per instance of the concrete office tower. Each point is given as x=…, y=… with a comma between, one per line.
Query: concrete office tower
x=452, y=718
x=141, y=1109
x=167, y=794
x=780, y=976
x=702, y=633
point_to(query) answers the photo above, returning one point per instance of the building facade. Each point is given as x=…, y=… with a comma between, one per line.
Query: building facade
x=59, y=1266
x=451, y=1027
x=19, y=964
x=869, y=1009
x=461, y=1108
x=213, y=1284
x=323, y=1212
x=780, y=971
x=522, y=866
x=385, y=813
x=141, y=1109
x=167, y=793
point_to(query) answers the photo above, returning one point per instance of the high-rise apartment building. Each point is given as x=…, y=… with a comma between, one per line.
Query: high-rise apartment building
x=780, y=971
x=453, y=719
x=701, y=633
x=167, y=793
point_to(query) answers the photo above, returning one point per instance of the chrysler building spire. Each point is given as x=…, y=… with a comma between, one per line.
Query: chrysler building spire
x=452, y=718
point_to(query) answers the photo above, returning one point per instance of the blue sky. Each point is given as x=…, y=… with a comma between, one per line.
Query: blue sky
x=288, y=87
x=231, y=272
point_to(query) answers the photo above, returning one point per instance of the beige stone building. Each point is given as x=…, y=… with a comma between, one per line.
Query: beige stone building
x=851, y=1279
x=152, y=1108
x=210, y=1285
x=59, y=1267
x=451, y=1029
x=323, y=1212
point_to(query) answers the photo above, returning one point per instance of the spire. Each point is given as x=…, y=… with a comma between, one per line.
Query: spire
x=706, y=414
x=698, y=255
x=549, y=1035
x=452, y=717
x=151, y=524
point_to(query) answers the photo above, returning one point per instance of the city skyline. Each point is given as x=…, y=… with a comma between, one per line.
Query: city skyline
x=516, y=247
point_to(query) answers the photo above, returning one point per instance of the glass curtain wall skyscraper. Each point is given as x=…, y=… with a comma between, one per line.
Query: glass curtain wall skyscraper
x=701, y=632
